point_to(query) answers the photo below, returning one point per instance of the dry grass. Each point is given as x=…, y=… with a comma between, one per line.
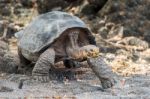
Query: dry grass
x=127, y=68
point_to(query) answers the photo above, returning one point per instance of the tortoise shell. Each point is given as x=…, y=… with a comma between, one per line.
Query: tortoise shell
x=44, y=29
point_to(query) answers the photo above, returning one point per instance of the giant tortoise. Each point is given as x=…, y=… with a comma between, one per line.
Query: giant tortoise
x=58, y=36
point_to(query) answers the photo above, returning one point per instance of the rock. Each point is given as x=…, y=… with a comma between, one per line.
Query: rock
x=5, y=89
x=147, y=38
x=93, y=7
x=134, y=41
x=1, y=28
x=97, y=3
x=88, y=10
x=5, y=9
x=8, y=62
x=45, y=6
x=12, y=29
x=27, y=3
x=8, y=27
x=5, y=1
x=8, y=65
x=3, y=46
x=133, y=15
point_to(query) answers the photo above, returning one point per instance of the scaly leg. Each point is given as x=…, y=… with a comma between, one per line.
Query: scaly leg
x=102, y=71
x=41, y=69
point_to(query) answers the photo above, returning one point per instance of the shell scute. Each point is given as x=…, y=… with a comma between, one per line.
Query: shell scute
x=44, y=29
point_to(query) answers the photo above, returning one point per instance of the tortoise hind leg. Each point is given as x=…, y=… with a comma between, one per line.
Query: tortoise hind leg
x=23, y=62
x=41, y=69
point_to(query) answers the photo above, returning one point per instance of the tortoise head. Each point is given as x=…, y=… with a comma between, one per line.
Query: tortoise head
x=85, y=52
x=90, y=51
x=80, y=53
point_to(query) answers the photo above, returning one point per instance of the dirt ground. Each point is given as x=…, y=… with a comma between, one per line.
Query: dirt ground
x=134, y=82
x=121, y=28
x=86, y=87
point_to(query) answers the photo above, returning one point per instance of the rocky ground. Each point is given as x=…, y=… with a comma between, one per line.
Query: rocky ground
x=134, y=82
x=121, y=29
x=86, y=87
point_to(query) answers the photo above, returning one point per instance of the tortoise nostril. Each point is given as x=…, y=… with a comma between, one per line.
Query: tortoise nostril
x=91, y=50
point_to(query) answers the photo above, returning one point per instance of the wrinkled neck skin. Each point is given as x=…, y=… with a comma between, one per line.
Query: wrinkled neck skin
x=73, y=50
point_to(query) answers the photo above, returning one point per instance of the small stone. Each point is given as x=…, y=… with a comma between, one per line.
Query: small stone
x=5, y=89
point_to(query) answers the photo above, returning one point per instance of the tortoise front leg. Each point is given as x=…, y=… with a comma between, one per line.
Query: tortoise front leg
x=102, y=71
x=41, y=69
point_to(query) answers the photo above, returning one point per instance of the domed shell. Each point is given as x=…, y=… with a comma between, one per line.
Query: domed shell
x=44, y=29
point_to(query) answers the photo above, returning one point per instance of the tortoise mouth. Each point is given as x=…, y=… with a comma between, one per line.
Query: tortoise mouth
x=92, y=51
x=93, y=54
x=82, y=53
x=83, y=56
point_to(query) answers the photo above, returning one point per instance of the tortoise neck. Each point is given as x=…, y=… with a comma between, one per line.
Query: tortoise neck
x=73, y=37
x=73, y=48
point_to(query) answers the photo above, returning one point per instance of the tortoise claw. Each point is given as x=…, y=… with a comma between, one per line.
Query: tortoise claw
x=42, y=78
x=107, y=82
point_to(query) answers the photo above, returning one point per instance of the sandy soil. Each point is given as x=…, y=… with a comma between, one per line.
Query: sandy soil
x=87, y=86
x=134, y=68
x=134, y=82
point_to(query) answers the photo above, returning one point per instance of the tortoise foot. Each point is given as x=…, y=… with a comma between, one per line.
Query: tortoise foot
x=107, y=82
x=41, y=78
